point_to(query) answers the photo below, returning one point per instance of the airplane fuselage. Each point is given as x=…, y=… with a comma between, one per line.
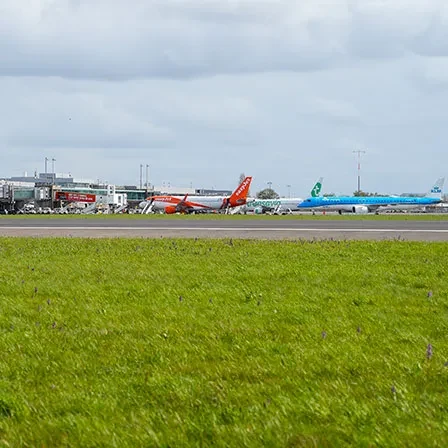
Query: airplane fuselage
x=280, y=205
x=365, y=203
x=197, y=203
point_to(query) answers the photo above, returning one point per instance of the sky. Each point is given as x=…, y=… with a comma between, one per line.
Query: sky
x=204, y=90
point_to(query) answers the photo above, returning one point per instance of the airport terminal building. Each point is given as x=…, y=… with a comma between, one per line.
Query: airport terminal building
x=49, y=192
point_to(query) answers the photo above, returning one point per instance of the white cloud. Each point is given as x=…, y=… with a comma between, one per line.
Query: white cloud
x=41, y=117
x=115, y=39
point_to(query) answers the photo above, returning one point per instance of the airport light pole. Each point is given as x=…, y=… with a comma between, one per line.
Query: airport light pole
x=141, y=174
x=52, y=169
x=359, y=152
x=269, y=185
x=46, y=161
x=289, y=190
x=147, y=170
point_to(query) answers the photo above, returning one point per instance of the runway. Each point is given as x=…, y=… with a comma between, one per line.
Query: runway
x=253, y=228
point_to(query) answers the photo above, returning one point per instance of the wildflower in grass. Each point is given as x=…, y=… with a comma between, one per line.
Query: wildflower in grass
x=358, y=329
x=53, y=325
x=393, y=390
x=35, y=290
x=429, y=351
x=429, y=293
x=324, y=334
x=48, y=301
x=210, y=300
x=181, y=298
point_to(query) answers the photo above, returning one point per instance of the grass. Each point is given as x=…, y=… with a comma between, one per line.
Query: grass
x=222, y=343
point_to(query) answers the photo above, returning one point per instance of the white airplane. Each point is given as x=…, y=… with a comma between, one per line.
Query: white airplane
x=280, y=206
x=181, y=204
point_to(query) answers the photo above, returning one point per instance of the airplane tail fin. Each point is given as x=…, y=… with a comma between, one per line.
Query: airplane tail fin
x=239, y=196
x=436, y=190
x=315, y=191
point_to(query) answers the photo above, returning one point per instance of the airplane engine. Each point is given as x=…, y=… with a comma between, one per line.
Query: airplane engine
x=258, y=210
x=360, y=209
x=170, y=209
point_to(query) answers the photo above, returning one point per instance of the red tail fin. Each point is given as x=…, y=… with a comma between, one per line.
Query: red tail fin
x=239, y=196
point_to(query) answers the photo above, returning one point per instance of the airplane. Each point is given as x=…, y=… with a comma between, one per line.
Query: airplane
x=280, y=205
x=366, y=204
x=178, y=204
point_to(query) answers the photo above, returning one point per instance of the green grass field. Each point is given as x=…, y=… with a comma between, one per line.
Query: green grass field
x=223, y=343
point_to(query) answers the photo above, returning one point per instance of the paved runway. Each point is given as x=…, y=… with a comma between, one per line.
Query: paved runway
x=416, y=230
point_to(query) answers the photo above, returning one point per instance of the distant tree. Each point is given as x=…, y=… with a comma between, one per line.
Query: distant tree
x=329, y=195
x=267, y=193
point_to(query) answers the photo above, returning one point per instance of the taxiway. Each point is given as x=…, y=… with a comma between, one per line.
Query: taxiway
x=416, y=230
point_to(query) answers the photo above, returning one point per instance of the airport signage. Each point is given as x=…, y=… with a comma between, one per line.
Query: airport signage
x=75, y=197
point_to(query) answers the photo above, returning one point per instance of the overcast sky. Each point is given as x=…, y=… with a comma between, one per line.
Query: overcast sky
x=203, y=90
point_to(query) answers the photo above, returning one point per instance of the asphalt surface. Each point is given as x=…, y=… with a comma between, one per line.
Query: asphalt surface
x=416, y=230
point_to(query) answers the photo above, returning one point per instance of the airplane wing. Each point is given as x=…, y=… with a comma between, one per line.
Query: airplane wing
x=171, y=204
x=184, y=206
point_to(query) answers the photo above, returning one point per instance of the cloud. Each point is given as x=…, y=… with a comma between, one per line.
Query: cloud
x=335, y=110
x=430, y=75
x=115, y=40
x=41, y=117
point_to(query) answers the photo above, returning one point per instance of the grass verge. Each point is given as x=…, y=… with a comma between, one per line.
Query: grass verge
x=223, y=343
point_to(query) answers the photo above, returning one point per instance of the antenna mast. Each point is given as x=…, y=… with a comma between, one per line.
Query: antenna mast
x=359, y=152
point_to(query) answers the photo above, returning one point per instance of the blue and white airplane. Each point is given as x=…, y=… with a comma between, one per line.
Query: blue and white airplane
x=366, y=204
